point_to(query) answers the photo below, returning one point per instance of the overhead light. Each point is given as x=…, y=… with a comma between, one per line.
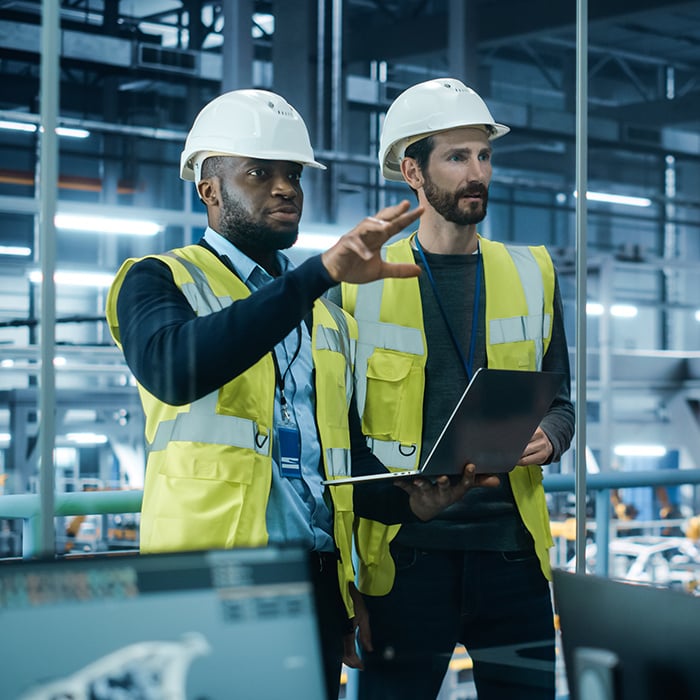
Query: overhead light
x=18, y=126
x=640, y=450
x=617, y=199
x=18, y=250
x=103, y=224
x=697, y=315
x=86, y=438
x=4, y=438
x=623, y=310
x=70, y=278
x=316, y=241
x=29, y=127
x=72, y=133
x=594, y=308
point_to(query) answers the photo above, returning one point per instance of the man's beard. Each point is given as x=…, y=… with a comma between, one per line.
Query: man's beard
x=237, y=225
x=447, y=204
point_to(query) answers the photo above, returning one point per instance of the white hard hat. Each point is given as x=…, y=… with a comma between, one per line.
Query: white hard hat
x=428, y=108
x=247, y=123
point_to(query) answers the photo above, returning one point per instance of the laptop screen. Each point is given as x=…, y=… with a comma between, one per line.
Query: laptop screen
x=193, y=625
x=627, y=642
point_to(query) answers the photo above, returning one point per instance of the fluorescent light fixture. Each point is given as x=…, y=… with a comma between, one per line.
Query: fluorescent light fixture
x=623, y=310
x=697, y=315
x=18, y=126
x=18, y=250
x=7, y=362
x=72, y=133
x=68, y=131
x=316, y=241
x=86, y=438
x=640, y=450
x=5, y=438
x=617, y=199
x=103, y=224
x=594, y=308
x=70, y=278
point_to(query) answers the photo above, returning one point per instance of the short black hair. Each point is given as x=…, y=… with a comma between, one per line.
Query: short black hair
x=213, y=166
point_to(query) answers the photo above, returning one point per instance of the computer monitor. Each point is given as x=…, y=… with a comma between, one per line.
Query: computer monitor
x=625, y=641
x=188, y=626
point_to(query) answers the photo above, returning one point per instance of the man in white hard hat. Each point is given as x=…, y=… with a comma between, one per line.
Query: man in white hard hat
x=245, y=375
x=478, y=573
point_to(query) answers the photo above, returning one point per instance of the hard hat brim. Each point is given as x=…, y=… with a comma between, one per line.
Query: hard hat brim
x=187, y=171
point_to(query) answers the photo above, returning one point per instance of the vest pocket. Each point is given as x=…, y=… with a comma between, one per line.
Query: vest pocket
x=210, y=462
x=393, y=385
x=204, y=496
x=520, y=355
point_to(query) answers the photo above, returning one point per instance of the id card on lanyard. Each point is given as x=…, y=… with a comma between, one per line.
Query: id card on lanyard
x=288, y=432
x=290, y=451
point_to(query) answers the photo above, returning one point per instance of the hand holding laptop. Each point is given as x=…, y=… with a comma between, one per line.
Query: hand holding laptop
x=538, y=450
x=428, y=497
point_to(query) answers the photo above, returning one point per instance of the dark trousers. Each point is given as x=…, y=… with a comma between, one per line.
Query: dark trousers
x=332, y=618
x=498, y=605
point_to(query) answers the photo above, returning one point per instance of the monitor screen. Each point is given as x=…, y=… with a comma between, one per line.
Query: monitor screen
x=627, y=641
x=188, y=626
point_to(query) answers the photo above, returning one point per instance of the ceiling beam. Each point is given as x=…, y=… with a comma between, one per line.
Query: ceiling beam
x=385, y=37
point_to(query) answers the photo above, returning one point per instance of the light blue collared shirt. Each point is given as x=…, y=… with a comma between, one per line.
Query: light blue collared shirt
x=296, y=510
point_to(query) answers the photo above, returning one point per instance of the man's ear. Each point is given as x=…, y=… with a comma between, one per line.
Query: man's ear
x=412, y=173
x=208, y=190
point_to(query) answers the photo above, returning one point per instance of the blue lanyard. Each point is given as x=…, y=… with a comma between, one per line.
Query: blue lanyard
x=467, y=364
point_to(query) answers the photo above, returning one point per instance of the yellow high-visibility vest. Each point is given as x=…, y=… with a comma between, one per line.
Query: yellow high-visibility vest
x=390, y=377
x=209, y=466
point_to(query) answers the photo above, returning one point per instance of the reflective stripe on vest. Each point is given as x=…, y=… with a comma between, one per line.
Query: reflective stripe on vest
x=534, y=327
x=394, y=454
x=204, y=424
x=199, y=293
x=338, y=461
x=338, y=341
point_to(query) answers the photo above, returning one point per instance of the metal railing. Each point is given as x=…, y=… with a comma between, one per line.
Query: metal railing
x=601, y=484
x=27, y=507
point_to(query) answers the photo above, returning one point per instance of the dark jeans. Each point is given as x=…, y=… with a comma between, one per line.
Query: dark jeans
x=498, y=605
x=332, y=618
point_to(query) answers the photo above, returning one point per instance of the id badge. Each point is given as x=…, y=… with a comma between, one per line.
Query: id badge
x=290, y=451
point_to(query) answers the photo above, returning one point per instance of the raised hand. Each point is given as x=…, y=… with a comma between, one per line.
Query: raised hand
x=356, y=256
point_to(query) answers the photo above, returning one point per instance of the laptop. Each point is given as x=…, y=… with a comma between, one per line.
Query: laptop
x=492, y=423
x=625, y=641
x=219, y=624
